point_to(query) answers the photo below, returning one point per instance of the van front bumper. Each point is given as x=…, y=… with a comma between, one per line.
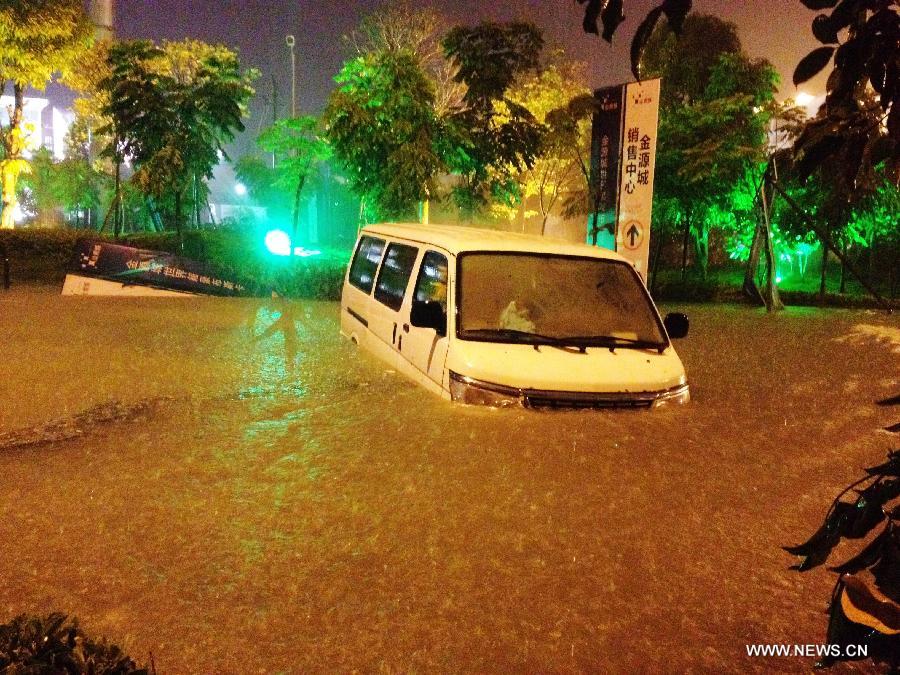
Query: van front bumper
x=464, y=389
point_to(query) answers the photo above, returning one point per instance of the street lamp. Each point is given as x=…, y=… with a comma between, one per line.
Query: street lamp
x=290, y=41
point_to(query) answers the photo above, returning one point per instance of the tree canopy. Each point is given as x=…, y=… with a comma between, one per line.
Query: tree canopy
x=715, y=110
x=402, y=116
x=382, y=127
x=172, y=110
x=38, y=39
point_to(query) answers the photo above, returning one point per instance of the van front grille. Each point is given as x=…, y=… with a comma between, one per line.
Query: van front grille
x=561, y=399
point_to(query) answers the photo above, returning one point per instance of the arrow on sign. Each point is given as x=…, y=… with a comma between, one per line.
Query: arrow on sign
x=633, y=234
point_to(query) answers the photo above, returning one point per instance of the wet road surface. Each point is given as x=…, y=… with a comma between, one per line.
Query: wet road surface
x=229, y=485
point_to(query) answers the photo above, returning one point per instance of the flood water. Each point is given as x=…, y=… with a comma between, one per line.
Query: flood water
x=232, y=487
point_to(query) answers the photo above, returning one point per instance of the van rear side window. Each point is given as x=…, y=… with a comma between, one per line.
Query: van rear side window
x=394, y=276
x=365, y=262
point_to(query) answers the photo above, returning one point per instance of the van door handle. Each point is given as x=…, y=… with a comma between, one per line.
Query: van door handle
x=394, y=335
x=406, y=328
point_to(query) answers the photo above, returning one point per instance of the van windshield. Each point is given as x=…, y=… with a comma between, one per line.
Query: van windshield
x=554, y=299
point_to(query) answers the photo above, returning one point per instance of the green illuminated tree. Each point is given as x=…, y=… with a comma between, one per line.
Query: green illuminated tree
x=383, y=129
x=172, y=110
x=68, y=185
x=394, y=96
x=415, y=105
x=714, y=114
x=299, y=148
x=38, y=39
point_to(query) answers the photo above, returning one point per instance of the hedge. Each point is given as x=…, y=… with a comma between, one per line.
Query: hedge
x=43, y=256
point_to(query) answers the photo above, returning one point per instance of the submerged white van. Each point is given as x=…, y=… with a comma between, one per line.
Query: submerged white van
x=486, y=317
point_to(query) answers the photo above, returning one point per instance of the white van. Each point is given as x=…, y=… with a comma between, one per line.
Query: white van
x=480, y=316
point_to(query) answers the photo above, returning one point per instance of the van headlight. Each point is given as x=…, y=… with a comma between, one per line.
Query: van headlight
x=474, y=392
x=675, y=396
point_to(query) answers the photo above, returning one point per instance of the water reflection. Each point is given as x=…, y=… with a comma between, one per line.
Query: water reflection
x=278, y=342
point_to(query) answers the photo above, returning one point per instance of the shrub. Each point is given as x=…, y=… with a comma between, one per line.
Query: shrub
x=53, y=644
x=43, y=256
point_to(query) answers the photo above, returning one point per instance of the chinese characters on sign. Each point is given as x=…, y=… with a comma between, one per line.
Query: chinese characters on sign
x=136, y=266
x=638, y=160
x=640, y=120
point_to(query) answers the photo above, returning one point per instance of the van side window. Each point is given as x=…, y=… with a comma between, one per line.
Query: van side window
x=431, y=286
x=394, y=275
x=365, y=262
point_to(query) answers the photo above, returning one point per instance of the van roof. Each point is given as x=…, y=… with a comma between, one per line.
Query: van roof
x=458, y=239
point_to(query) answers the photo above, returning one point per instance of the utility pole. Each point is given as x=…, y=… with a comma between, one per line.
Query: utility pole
x=290, y=43
x=274, y=110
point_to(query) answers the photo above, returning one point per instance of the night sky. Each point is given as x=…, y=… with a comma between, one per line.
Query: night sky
x=778, y=30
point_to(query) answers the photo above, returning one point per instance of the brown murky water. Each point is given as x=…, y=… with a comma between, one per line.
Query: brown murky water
x=230, y=486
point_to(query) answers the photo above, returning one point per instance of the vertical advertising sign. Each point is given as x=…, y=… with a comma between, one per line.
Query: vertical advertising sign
x=640, y=126
x=606, y=138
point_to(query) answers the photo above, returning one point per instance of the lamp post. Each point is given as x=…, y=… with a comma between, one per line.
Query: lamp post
x=290, y=41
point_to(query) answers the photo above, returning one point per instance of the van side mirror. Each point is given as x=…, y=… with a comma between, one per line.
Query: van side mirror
x=677, y=325
x=429, y=314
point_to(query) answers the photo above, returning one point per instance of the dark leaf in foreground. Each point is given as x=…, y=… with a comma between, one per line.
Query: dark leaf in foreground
x=612, y=15
x=812, y=64
x=641, y=37
x=893, y=400
x=676, y=11
x=591, y=15
x=823, y=30
x=816, y=550
x=870, y=555
x=889, y=468
x=887, y=571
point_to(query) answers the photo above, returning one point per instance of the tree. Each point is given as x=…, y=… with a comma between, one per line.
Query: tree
x=402, y=115
x=382, y=127
x=172, y=110
x=403, y=26
x=868, y=60
x=714, y=113
x=560, y=167
x=495, y=137
x=299, y=145
x=38, y=39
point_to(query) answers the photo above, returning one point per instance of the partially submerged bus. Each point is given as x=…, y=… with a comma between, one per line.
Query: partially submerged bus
x=487, y=317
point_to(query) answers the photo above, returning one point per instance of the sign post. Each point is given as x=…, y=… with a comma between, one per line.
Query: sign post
x=606, y=142
x=641, y=123
x=623, y=161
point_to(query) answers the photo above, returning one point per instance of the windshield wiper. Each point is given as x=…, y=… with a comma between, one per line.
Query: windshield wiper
x=529, y=337
x=579, y=341
x=614, y=341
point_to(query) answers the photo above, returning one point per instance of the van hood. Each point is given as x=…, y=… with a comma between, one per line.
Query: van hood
x=549, y=368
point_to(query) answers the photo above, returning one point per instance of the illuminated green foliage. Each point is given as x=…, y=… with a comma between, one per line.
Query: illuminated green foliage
x=299, y=148
x=383, y=129
x=714, y=115
x=405, y=113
